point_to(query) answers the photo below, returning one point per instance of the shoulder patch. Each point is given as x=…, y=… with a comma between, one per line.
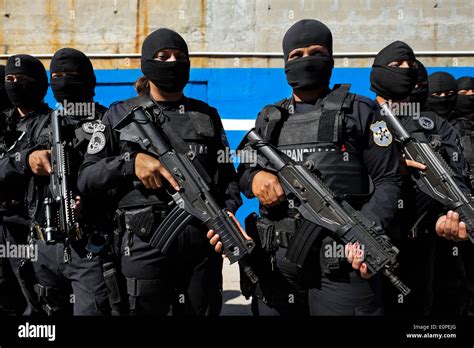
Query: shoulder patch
x=426, y=122
x=96, y=144
x=94, y=126
x=381, y=134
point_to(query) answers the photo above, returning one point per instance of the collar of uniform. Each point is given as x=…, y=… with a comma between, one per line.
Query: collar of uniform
x=170, y=105
x=314, y=102
x=24, y=122
x=42, y=109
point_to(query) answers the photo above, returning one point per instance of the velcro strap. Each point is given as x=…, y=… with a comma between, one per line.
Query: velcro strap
x=328, y=130
x=330, y=124
x=142, y=287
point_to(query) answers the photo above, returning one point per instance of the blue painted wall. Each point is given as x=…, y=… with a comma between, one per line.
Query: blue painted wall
x=236, y=93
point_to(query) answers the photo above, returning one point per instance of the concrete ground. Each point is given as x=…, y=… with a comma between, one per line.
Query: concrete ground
x=234, y=302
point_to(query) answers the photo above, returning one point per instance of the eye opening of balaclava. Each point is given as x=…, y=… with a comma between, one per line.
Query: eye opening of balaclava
x=77, y=87
x=393, y=83
x=465, y=103
x=169, y=76
x=441, y=82
x=26, y=92
x=5, y=102
x=312, y=72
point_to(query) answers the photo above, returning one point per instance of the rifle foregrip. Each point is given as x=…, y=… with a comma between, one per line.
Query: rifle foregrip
x=234, y=243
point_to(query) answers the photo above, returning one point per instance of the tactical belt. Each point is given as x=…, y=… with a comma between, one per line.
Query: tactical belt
x=38, y=234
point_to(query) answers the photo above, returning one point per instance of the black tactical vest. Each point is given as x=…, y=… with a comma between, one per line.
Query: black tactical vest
x=465, y=128
x=319, y=136
x=194, y=129
x=20, y=136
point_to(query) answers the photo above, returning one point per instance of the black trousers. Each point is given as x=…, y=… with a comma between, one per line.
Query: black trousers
x=338, y=289
x=16, y=285
x=307, y=291
x=468, y=259
x=346, y=295
x=187, y=280
x=451, y=291
x=416, y=270
x=283, y=288
x=433, y=269
x=12, y=301
x=76, y=287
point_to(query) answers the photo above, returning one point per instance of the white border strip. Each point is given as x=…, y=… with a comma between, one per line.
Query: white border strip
x=235, y=124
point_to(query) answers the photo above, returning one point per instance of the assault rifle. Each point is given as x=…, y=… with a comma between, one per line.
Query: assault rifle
x=316, y=203
x=437, y=179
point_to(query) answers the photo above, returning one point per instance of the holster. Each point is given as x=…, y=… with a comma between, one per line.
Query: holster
x=116, y=287
x=141, y=221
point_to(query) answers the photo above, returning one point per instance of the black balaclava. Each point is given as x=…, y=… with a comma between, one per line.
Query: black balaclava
x=168, y=76
x=312, y=72
x=441, y=82
x=393, y=83
x=72, y=88
x=465, y=103
x=420, y=94
x=26, y=93
x=4, y=101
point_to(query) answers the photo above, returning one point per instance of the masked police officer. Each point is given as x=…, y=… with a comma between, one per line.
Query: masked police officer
x=25, y=84
x=462, y=119
x=393, y=77
x=442, y=93
x=335, y=129
x=420, y=92
x=68, y=270
x=11, y=298
x=188, y=277
x=5, y=103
